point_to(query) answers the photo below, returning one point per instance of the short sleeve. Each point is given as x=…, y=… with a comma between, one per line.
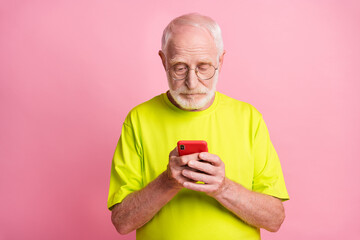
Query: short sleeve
x=268, y=176
x=126, y=173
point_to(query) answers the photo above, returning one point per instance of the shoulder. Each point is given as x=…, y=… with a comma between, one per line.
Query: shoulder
x=242, y=108
x=144, y=109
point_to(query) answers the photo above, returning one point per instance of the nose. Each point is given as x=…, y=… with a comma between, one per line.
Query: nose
x=192, y=79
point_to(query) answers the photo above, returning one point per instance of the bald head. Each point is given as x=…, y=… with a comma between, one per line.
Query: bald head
x=195, y=20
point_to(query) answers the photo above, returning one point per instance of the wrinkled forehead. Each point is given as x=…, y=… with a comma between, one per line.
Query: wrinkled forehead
x=191, y=39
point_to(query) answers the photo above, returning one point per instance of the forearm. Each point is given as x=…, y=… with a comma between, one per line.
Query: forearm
x=139, y=207
x=256, y=209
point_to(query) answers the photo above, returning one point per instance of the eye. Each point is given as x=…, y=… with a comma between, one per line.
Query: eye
x=180, y=68
x=203, y=67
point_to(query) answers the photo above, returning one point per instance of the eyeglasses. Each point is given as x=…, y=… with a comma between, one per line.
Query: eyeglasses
x=180, y=71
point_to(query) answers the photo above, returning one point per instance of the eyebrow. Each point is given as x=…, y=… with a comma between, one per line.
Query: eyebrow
x=175, y=60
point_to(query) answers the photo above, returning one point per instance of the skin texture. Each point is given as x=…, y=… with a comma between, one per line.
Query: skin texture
x=191, y=46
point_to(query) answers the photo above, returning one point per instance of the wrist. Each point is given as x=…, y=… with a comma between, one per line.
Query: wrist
x=223, y=190
x=168, y=182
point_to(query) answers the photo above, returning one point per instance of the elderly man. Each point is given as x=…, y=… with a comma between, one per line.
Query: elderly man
x=227, y=193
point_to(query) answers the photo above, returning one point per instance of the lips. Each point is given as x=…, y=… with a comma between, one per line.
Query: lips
x=193, y=95
x=190, y=94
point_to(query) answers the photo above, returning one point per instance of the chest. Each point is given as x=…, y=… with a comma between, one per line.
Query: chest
x=228, y=138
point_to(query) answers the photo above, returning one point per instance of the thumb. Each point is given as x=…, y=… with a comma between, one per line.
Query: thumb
x=174, y=152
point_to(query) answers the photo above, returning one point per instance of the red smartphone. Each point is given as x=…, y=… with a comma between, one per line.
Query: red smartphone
x=186, y=147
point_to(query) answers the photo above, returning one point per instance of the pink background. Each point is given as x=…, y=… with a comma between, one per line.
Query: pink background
x=71, y=70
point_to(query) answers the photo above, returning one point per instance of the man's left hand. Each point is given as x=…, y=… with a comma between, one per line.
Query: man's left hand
x=211, y=171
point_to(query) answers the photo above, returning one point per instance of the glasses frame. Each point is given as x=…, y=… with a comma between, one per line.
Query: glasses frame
x=196, y=72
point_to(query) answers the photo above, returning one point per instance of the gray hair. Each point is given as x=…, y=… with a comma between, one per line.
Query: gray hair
x=196, y=20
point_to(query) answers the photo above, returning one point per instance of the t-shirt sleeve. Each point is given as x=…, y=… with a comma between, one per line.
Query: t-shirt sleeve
x=126, y=174
x=268, y=176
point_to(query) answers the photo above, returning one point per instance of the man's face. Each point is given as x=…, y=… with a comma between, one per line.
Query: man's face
x=193, y=47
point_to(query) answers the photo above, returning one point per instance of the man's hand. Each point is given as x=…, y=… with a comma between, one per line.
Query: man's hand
x=207, y=168
x=256, y=209
x=177, y=164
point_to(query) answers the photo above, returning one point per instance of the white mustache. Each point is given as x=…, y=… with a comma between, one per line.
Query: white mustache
x=183, y=90
x=189, y=93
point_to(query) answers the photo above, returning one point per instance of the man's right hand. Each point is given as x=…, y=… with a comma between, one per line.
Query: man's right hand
x=139, y=207
x=175, y=167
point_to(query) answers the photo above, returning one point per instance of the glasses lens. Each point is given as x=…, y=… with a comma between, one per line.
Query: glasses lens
x=205, y=71
x=178, y=71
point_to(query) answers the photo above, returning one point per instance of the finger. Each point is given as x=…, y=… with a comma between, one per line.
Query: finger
x=197, y=176
x=177, y=161
x=183, y=160
x=199, y=187
x=203, y=167
x=174, y=152
x=211, y=158
x=181, y=168
x=182, y=179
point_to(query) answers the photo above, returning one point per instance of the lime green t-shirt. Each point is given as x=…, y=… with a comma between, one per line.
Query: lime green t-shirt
x=234, y=130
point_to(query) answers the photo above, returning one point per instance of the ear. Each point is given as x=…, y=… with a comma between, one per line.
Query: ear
x=221, y=60
x=163, y=59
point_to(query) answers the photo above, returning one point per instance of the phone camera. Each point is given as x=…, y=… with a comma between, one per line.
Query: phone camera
x=182, y=147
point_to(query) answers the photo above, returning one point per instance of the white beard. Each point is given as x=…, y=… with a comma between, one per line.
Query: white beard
x=192, y=104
